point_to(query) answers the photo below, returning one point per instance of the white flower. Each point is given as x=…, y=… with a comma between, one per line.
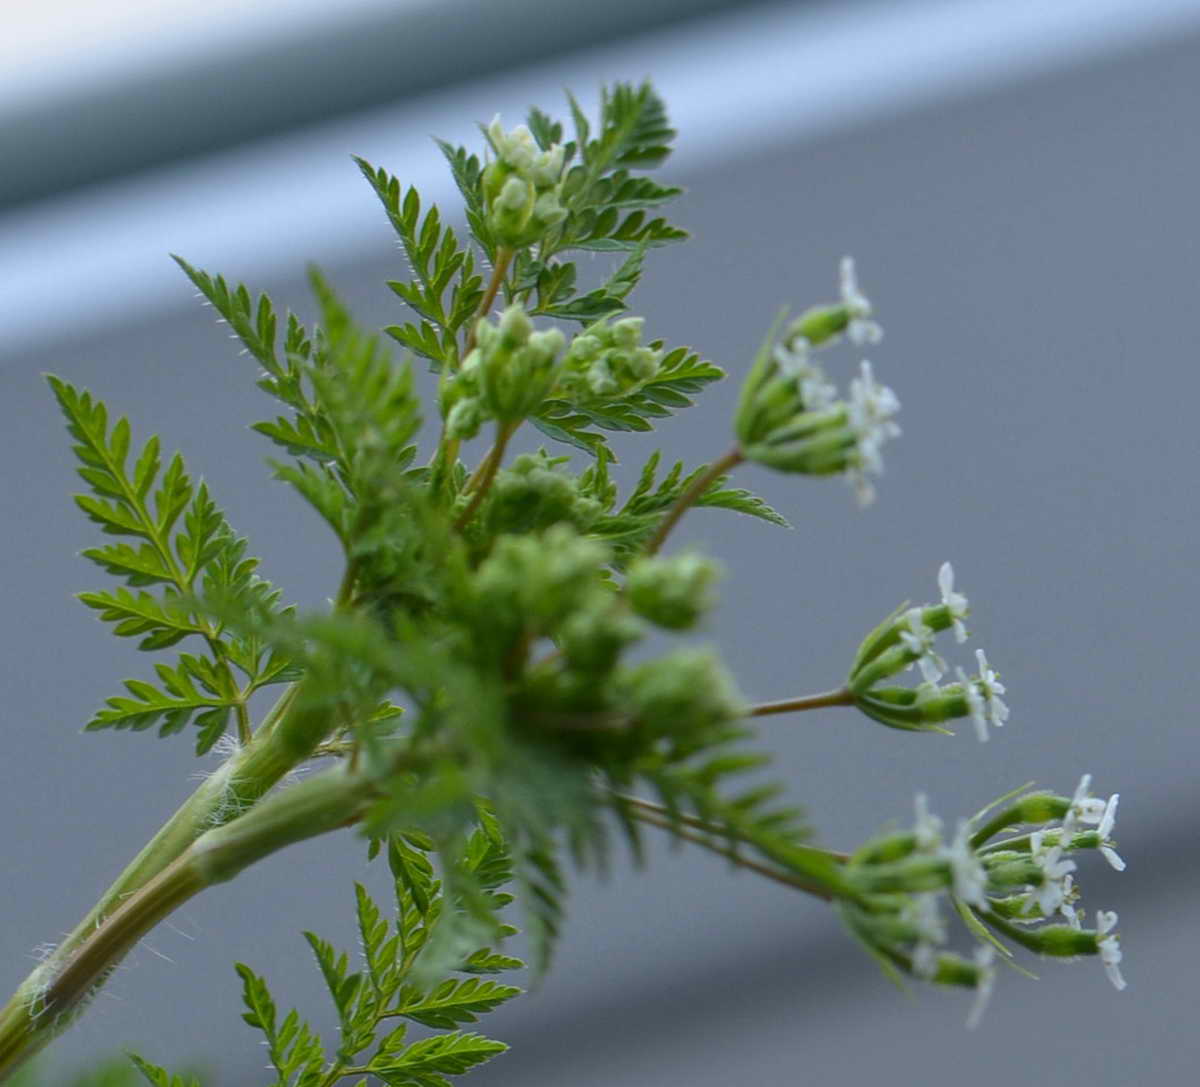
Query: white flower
x=928, y=827
x=1105, y=830
x=792, y=358
x=983, y=987
x=870, y=409
x=868, y=412
x=1066, y=908
x=924, y=960
x=921, y=911
x=816, y=392
x=970, y=879
x=983, y=697
x=1056, y=876
x=861, y=330
x=1085, y=808
x=954, y=602
x=918, y=640
x=1110, y=947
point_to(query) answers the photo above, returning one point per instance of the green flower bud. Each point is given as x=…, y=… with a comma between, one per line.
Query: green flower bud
x=686, y=696
x=515, y=328
x=546, y=168
x=627, y=332
x=464, y=419
x=534, y=494
x=584, y=348
x=606, y=361
x=1036, y=809
x=546, y=213
x=1061, y=941
x=533, y=583
x=601, y=381
x=672, y=593
x=818, y=325
x=593, y=640
x=521, y=188
x=920, y=709
x=516, y=367
x=544, y=345
x=643, y=363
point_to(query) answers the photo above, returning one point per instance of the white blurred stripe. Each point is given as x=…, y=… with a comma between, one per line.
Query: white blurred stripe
x=57, y=48
x=732, y=83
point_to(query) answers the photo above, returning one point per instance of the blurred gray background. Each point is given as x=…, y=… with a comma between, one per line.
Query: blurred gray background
x=1018, y=182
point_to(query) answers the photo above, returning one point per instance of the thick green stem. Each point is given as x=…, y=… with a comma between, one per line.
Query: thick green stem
x=287, y=736
x=58, y=990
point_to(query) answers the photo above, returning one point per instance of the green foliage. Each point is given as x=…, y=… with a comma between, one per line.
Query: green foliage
x=159, y=1077
x=680, y=375
x=607, y=202
x=439, y=264
x=196, y=691
x=389, y=986
x=496, y=601
x=627, y=529
x=185, y=547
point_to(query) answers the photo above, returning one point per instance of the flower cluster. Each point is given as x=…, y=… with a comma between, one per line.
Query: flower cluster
x=791, y=416
x=522, y=186
x=607, y=360
x=906, y=640
x=504, y=377
x=1009, y=878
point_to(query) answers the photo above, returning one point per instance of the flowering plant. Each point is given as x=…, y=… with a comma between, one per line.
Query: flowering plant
x=474, y=682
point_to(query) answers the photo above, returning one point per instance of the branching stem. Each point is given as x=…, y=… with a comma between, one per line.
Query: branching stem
x=718, y=468
x=644, y=812
x=504, y=258
x=840, y=697
x=58, y=989
x=479, y=483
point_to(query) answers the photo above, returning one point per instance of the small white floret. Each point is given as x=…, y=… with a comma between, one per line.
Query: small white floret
x=869, y=412
x=1110, y=946
x=984, y=957
x=1056, y=876
x=1105, y=831
x=917, y=638
x=954, y=602
x=983, y=697
x=969, y=876
x=1085, y=809
x=928, y=827
x=861, y=329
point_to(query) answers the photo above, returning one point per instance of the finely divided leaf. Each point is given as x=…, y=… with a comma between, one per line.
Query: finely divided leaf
x=195, y=691
x=681, y=374
x=439, y=264
x=426, y=1061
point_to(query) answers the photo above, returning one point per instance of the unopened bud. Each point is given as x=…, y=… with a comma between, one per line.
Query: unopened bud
x=672, y=593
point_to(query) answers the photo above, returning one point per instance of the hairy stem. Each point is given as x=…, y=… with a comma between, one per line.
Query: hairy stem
x=288, y=735
x=715, y=471
x=481, y=480
x=841, y=697
x=499, y=271
x=57, y=991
